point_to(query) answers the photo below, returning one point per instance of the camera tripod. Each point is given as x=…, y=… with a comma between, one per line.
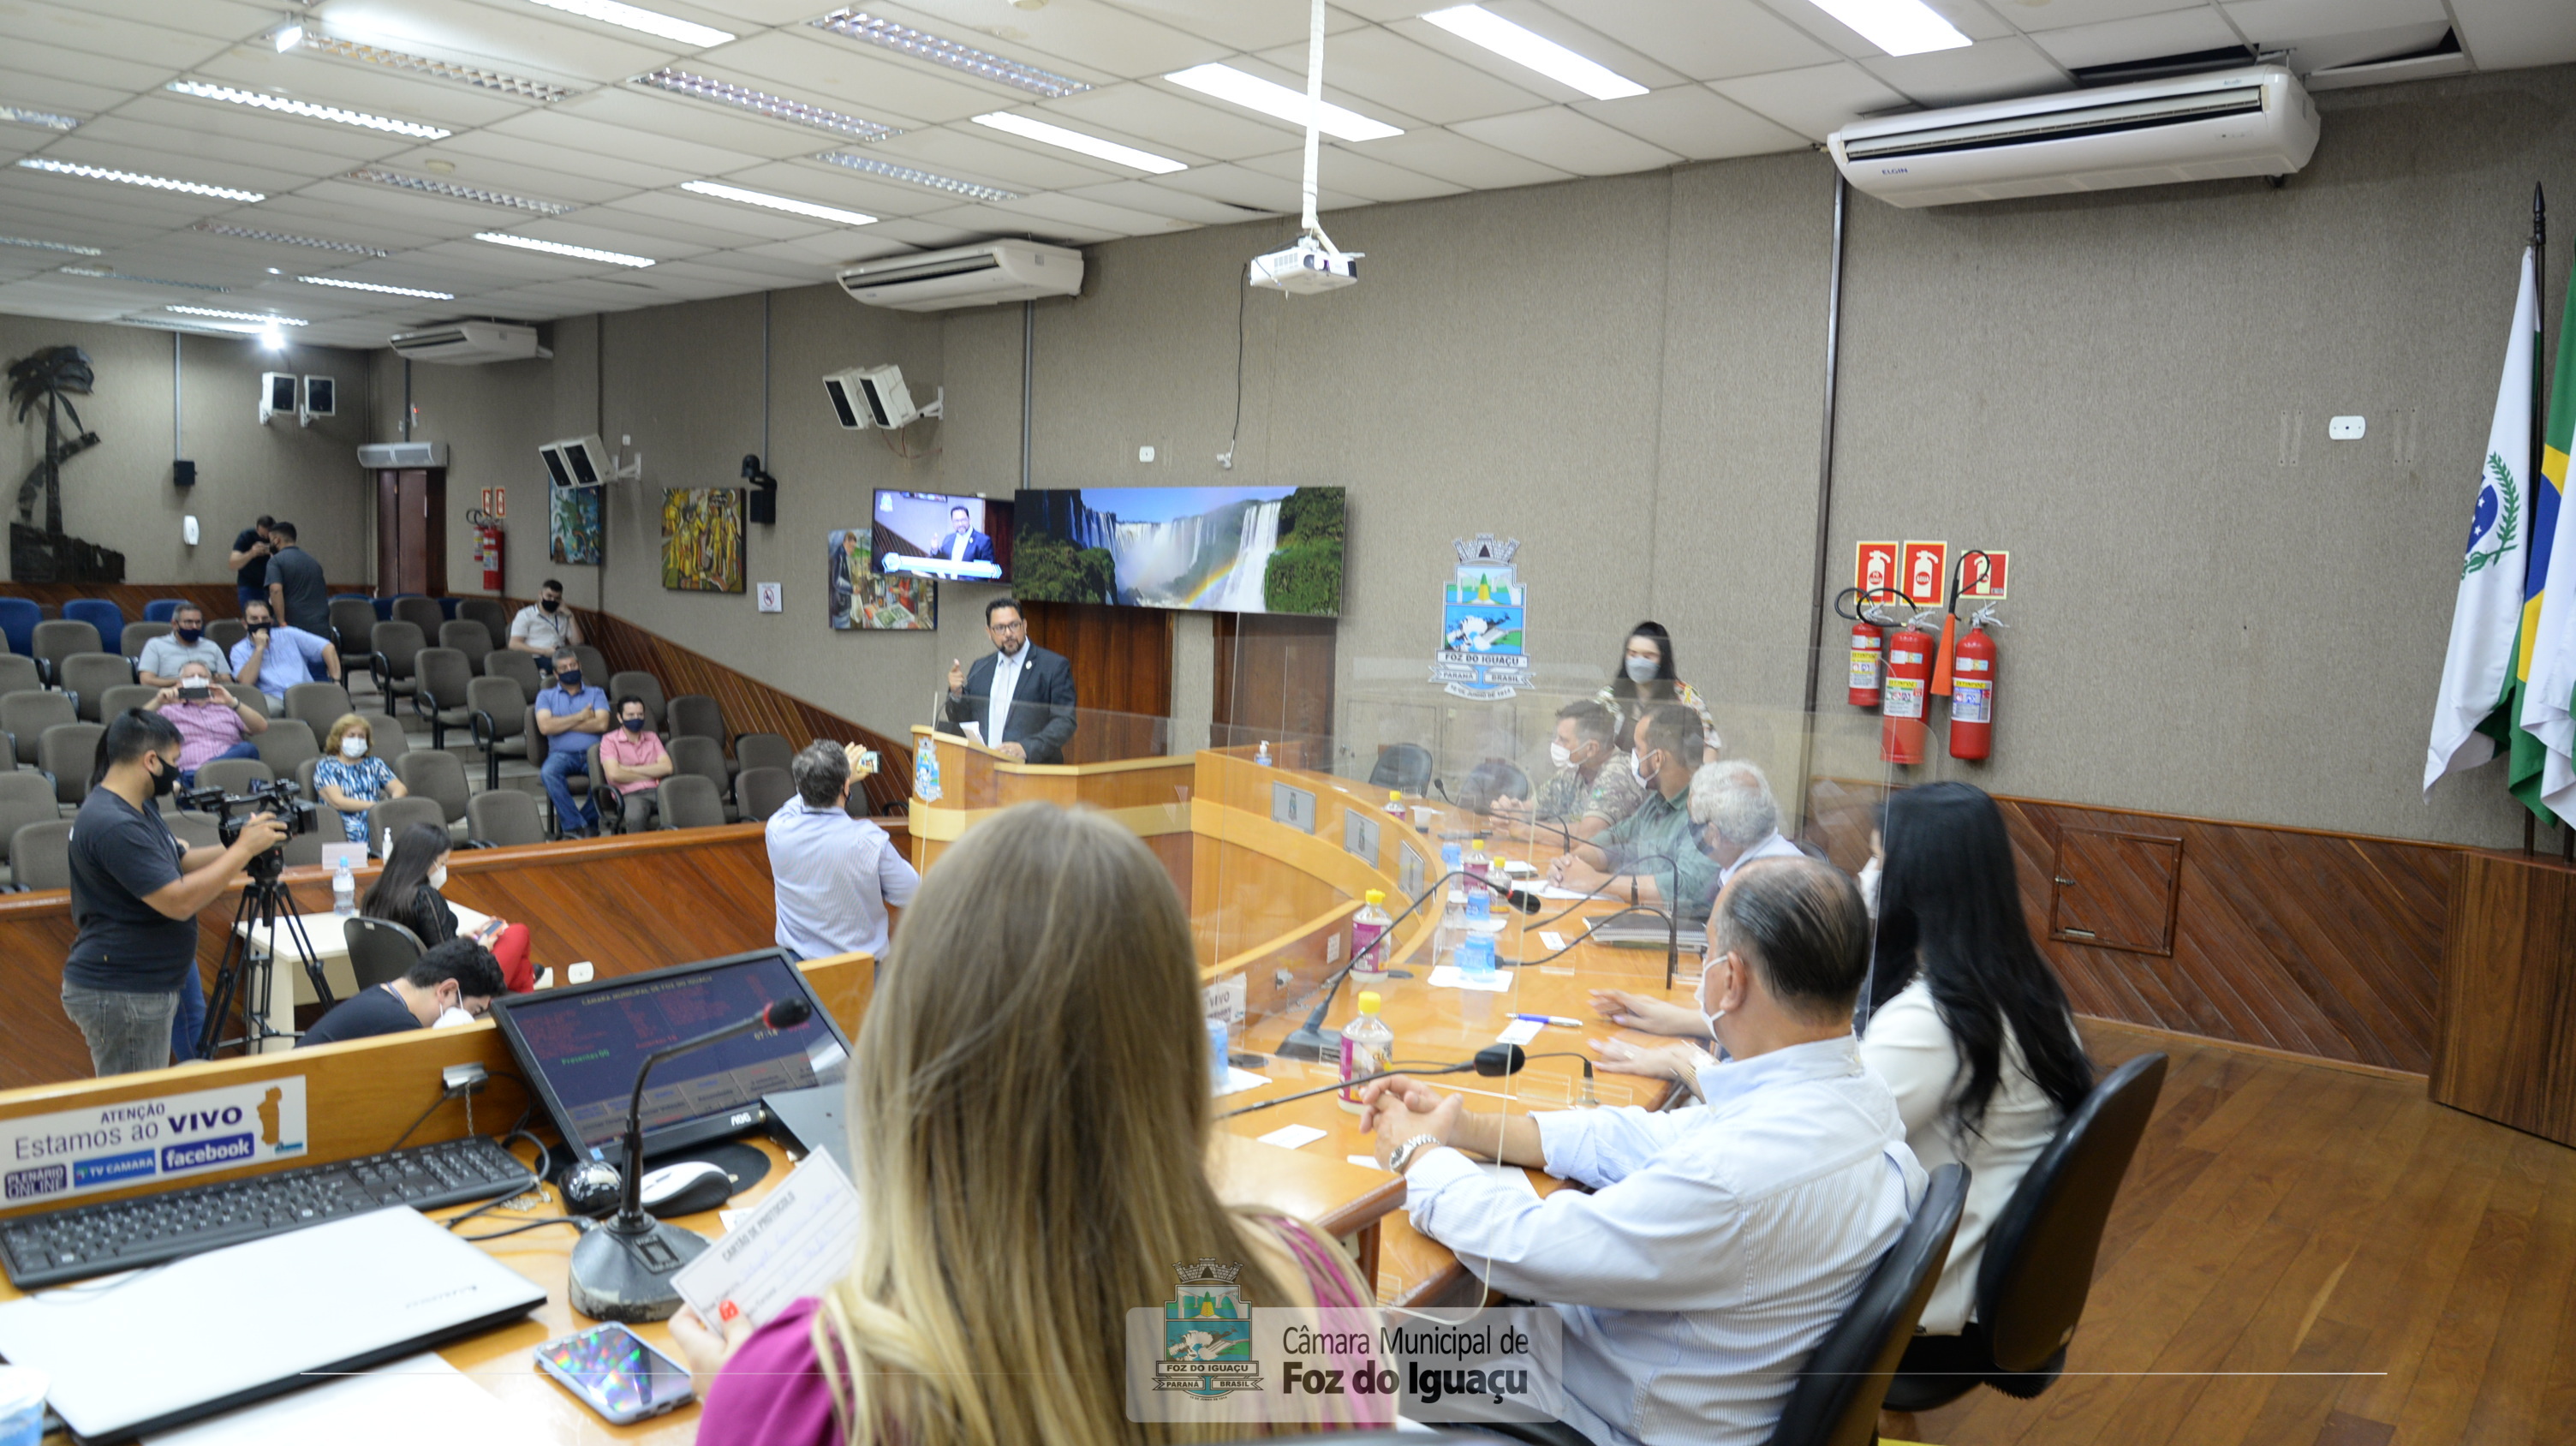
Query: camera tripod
x=266, y=909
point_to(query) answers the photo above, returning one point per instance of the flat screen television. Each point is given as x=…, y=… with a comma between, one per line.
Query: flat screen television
x=937, y=534
x=1212, y=549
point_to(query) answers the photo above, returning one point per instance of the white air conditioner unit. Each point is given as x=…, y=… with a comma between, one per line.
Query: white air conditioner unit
x=375, y=455
x=469, y=342
x=967, y=276
x=2256, y=121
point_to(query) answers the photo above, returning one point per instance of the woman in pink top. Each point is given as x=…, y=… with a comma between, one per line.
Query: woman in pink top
x=1029, y=1113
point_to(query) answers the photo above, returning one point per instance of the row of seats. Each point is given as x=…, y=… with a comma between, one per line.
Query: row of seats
x=19, y=617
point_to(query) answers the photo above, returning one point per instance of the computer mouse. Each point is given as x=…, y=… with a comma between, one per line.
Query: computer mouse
x=686, y=1188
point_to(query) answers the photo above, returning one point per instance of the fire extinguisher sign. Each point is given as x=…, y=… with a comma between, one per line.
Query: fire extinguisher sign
x=496, y=502
x=1874, y=567
x=1925, y=568
x=1982, y=575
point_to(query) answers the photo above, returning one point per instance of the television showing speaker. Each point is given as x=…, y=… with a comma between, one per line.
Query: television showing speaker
x=1213, y=549
x=939, y=534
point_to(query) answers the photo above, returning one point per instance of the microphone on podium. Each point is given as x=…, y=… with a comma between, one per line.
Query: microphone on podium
x=622, y=1270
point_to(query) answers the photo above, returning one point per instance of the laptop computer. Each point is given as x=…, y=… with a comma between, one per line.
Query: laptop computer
x=808, y=1120
x=157, y=1347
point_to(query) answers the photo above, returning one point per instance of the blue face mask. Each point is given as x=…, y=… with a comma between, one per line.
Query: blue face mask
x=570, y=678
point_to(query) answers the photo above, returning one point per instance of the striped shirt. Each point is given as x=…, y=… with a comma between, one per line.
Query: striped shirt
x=1721, y=1246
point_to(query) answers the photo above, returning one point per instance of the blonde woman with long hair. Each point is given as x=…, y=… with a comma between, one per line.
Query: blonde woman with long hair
x=1029, y=1122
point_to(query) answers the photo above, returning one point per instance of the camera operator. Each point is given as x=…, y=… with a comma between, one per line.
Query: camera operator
x=135, y=896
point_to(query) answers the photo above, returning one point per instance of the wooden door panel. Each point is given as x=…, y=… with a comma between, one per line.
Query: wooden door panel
x=2116, y=890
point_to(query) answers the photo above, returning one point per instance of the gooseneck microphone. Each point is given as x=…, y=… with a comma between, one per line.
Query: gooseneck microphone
x=1311, y=1041
x=1493, y=1061
x=622, y=1270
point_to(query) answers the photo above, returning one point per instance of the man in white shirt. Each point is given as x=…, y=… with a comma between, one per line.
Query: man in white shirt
x=835, y=875
x=1736, y=819
x=545, y=625
x=1721, y=1243
x=963, y=543
x=1020, y=698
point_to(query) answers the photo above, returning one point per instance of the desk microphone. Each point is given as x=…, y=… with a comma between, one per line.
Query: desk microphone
x=1493, y=1061
x=1311, y=1040
x=622, y=1270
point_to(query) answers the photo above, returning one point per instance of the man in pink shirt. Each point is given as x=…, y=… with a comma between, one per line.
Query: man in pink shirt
x=211, y=723
x=633, y=760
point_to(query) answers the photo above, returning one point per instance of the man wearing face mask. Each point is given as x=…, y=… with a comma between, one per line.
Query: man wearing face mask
x=159, y=663
x=273, y=657
x=633, y=760
x=572, y=717
x=1592, y=788
x=1734, y=820
x=1720, y=1244
x=544, y=626
x=458, y=978
x=135, y=893
x=1648, y=857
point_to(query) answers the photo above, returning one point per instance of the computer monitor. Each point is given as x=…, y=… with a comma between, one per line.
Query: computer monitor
x=939, y=534
x=580, y=1047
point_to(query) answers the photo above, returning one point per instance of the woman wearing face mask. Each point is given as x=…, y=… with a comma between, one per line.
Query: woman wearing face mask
x=407, y=892
x=351, y=779
x=1647, y=675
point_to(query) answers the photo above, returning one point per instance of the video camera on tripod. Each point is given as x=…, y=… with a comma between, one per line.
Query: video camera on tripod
x=277, y=797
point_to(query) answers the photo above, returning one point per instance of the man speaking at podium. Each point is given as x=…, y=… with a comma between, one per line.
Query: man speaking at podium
x=1020, y=698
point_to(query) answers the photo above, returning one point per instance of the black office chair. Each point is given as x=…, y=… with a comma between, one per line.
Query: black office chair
x=1495, y=778
x=1402, y=765
x=2038, y=1265
x=380, y=950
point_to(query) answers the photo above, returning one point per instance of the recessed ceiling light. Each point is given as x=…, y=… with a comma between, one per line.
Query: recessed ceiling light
x=939, y=50
x=932, y=179
x=1040, y=131
x=135, y=178
x=245, y=233
x=424, y=184
x=347, y=285
x=1483, y=27
x=557, y=248
x=540, y=91
x=50, y=246
x=1899, y=27
x=1272, y=99
x=788, y=204
x=287, y=36
x=263, y=318
x=27, y=116
x=761, y=102
x=101, y=273
x=635, y=17
x=308, y=110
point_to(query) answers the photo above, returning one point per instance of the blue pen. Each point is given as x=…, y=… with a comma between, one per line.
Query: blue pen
x=1556, y=1019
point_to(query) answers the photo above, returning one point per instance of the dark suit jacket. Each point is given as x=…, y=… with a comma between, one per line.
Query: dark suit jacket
x=979, y=547
x=1041, y=706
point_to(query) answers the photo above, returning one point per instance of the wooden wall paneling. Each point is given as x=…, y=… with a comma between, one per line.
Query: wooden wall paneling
x=217, y=598
x=1274, y=677
x=36, y=933
x=1122, y=675
x=2508, y=1043
x=2115, y=890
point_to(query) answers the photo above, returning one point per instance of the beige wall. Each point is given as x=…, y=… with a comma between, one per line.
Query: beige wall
x=119, y=494
x=1627, y=375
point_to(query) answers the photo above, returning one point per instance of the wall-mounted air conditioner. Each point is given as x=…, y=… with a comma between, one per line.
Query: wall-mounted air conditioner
x=2256, y=121
x=376, y=455
x=968, y=276
x=468, y=343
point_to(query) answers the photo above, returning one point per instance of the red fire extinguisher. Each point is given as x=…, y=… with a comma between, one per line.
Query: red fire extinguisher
x=487, y=548
x=1868, y=641
x=1972, y=696
x=1902, y=729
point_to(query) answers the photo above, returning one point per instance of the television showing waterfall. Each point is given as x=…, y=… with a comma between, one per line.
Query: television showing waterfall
x=1214, y=549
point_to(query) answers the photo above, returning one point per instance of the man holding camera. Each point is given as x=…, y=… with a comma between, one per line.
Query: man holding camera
x=273, y=657
x=212, y=724
x=135, y=895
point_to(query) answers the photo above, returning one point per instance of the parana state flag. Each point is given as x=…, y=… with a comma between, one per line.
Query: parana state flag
x=2541, y=774
x=2478, y=671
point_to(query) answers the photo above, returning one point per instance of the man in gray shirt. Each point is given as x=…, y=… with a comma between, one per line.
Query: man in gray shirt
x=185, y=643
x=295, y=590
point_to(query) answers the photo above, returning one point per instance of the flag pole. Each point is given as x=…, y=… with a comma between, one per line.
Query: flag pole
x=2539, y=416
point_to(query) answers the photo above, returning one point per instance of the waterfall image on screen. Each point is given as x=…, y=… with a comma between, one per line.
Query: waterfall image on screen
x=1216, y=549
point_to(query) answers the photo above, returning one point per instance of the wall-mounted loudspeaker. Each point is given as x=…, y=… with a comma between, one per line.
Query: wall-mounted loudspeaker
x=277, y=394
x=183, y=474
x=576, y=462
x=320, y=393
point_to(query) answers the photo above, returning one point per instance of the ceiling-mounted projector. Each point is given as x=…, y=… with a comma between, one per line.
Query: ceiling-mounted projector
x=1310, y=266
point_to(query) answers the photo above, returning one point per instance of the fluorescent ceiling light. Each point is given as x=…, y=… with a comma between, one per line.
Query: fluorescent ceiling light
x=101, y=273
x=424, y=184
x=761, y=102
x=540, y=91
x=789, y=204
x=939, y=50
x=1899, y=27
x=308, y=110
x=245, y=233
x=1040, y=131
x=1483, y=27
x=26, y=116
x=288, y=36
x=892, y=172
x=633, y=17
x=1253, y=93
x=263, y=318
x=50, y=246
x=133, y=178
x=557, y=248
x=375, y=286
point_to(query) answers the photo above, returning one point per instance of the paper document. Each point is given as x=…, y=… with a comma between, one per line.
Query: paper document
x=419, y=1401
x=1551, y=938
x=796, y=1242
x=975, y=731
x=1559, y=891
x=1293, y=1137
x=1522, y=1031
x=1448, y=977
x=1239, y=1080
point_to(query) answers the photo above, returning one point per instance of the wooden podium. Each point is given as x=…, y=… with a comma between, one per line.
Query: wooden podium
x=2507, y=1046
x=1151, y=796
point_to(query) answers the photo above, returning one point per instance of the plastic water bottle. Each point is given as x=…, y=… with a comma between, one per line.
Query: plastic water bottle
x=1395, y=802
x=1479, y=866
x=1262, y=754
x=1453, y=914
x=1367, y=1045
x=1220, y=1044
x=344, y=891
x=1368, y=937
x=1476, y=956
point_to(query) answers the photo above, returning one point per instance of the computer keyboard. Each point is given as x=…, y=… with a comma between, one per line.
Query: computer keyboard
x=84, y=1240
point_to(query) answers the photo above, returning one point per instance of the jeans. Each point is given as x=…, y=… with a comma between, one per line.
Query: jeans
x=191, y=1018
x=127, y=1033
x=243, y=749
x=251, y=595
x=637, y=810
x=570, y=813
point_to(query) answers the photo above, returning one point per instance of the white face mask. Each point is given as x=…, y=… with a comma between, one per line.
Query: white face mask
x=353, y=746
x=1708, y=1016
x=1645, y=775
x=438, y=877
x=1559, y=754
x=1868, y=881
x=1642, y=670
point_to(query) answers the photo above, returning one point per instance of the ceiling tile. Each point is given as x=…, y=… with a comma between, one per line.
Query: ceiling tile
x=1356, y=172
x=509, y=36
x=1815, y=101
x=1638, y=63
x=2176, y=32
x=1706, y=39
x=601, y=230
x=158, y=120
x=2270, y=22
x=307, y=76
x=2502, y=33
x=990, y=221
x=834, y=252
x=1240, y=186
x=563, y=125
x=1569, y=141
x=1071, y=210
x=534, y=168
x=1495, y=67
x=1694, y=122
x=1968, y=17
x=96, y=30
x=699, y=221
x=1109, y=43
x=701, y=122
x=1448, y=156
x=1171, y=119
x=2059, y=14
x=983, y=154
x=1378, y=71
x=1987, y=70
x=52, y=92
x=853, y=77
x=839, y=186
x=2357, y=47
x=1161, y=200
x=1245, y=24
x=108, y=71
